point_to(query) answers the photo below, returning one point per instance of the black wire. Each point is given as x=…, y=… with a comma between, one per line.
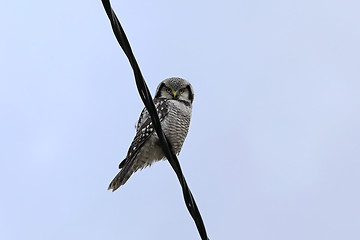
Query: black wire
x=148, y=102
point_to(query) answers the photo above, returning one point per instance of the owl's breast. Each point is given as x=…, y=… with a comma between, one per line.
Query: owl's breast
x=176, y=124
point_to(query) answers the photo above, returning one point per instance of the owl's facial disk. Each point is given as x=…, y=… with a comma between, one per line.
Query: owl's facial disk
x=175, y=89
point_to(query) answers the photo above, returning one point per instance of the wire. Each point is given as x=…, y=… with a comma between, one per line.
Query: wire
x=148, y=102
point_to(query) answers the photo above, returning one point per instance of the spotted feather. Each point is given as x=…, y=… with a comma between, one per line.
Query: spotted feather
x=145, y=128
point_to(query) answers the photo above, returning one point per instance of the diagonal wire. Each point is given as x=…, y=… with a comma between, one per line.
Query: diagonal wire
x=148, y=102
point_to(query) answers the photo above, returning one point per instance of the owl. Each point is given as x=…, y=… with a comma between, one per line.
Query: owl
x=173, y=102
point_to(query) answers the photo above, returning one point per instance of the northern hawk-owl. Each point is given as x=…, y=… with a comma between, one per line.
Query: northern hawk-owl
x=173, y=102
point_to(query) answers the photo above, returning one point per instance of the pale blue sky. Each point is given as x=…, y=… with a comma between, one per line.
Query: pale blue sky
x=273, y=149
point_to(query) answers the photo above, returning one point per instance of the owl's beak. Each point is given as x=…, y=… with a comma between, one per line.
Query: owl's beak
x=174, y=94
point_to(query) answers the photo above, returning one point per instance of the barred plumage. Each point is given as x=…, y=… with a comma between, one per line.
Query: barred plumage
x=173, y=102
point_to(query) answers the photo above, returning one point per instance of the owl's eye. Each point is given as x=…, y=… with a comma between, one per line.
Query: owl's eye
x=168, y=90
x=181, y=91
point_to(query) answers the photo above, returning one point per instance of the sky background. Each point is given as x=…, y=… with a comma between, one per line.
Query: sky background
x=273, y=148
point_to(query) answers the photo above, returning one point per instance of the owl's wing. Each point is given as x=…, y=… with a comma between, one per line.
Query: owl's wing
x=145, y=127
x=161, y=108
x=144, y=116
x=144, y=130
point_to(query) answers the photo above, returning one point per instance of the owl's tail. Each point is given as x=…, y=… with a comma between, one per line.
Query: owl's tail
x=126, y=171
x=119, y=180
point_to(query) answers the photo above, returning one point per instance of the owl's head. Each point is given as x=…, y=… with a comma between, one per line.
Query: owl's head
x=175, y=88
